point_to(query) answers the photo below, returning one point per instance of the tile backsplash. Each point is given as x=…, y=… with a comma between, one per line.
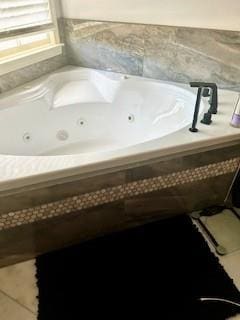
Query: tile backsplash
x=163, y=52
x=17, y=78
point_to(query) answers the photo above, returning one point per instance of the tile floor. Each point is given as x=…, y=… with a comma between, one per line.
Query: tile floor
x=18, y=289
x=18, y=292
x=230, y=262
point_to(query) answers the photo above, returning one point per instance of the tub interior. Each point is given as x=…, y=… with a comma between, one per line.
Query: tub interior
x=78, y=112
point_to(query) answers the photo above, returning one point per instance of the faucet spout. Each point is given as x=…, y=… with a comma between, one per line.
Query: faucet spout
x=196, y=111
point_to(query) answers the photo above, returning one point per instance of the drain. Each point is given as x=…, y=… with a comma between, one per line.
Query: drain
x=131, y=118
x=62, y=135
x=27, y=137
x=81, y=122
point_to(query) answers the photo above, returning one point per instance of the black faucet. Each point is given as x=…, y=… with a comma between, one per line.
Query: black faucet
x=205, y=89
x=196, y=111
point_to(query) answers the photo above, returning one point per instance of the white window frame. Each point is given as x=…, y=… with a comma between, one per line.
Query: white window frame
x=24, y=59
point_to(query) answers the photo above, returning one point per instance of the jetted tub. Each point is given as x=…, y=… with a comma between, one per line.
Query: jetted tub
x=86, y=111
x=80, y=121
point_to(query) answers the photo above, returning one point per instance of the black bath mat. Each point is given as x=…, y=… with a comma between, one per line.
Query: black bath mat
x=157, y=271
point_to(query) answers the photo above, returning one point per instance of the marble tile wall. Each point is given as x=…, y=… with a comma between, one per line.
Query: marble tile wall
x=163, y=52
x=17, y=78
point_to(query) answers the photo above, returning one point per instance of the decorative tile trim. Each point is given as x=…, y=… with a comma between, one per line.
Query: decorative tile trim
x=121, y=192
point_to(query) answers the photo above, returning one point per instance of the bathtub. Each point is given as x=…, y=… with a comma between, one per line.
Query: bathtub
x=87, y=112
x=80, y=121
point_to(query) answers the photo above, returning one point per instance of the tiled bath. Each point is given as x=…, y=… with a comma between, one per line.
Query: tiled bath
x=117, y=193
x=41, y=218
x=75, y=211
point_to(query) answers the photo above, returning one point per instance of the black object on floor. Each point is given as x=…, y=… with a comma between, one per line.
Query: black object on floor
x=156, y=271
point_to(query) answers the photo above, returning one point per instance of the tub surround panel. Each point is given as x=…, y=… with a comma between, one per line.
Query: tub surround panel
x=168, y=53
x=91, y=207
x=179, y=199
x=40, y=196
x=29, y=240
x=103, y=45
x=60, y=190
x=184, y=54
x=118, y=193
x=188, y=162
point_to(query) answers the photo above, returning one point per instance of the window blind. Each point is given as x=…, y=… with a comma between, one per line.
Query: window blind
x=25, y=15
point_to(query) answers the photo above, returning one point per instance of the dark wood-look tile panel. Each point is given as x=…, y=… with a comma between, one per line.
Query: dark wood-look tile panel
x=28, y=241
x=30, y=198
x=195, y=160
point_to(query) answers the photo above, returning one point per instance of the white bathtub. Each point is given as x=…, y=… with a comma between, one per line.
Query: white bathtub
x=85, y=111
x=80, y=121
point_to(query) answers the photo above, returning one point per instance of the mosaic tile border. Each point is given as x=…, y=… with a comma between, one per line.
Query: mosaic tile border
x=121, y=192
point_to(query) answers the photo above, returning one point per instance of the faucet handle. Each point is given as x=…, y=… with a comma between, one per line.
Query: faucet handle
x=207, y=118
x=206, y=92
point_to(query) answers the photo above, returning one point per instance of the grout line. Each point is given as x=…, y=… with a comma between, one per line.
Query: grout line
x=17, y=302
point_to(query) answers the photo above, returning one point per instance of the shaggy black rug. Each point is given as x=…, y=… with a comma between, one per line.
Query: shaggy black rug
x=156, y=271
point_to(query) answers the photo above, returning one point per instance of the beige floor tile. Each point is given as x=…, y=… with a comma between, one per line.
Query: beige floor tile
x=19, y=282
x=227, y=221
x=10, y=310
x=230, y=262
x=235, y=318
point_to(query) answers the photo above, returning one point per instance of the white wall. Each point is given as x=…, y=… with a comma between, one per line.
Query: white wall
x=218, y=14
x=58, y=7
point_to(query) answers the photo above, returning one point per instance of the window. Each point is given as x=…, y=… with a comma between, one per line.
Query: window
x=27, y=28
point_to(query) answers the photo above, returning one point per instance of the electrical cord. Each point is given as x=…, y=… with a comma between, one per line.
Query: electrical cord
x=220, y=300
